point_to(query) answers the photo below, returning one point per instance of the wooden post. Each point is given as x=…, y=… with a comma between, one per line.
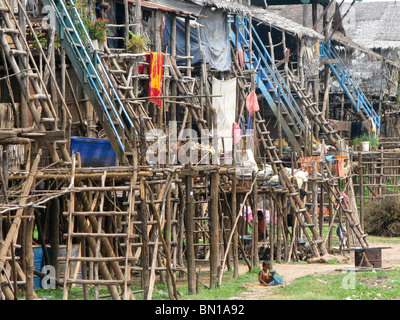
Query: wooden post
x=314, y=192
x=271, y=229
x=321, y=212
x=181, y=229
x=189, y=225
x=236, y=234
x=29, y=257
x=331, y=218
x=279, y=229
x=13, y=230
x=361, y=175
x=24, y=110
x=126, y=4
x=214, y=228
x=255, y=257
x=314, y=14
x=173, y=55
x=187, y=47
x=167, y=237
x=145, y=248
x=286, y=230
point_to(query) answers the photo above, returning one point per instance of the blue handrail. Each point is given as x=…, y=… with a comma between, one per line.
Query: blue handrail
x=347, y=82
x=269, y=72
x=89, y=62
x=97, y=59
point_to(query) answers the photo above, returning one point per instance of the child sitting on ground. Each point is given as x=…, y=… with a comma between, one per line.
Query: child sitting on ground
x=269, y=278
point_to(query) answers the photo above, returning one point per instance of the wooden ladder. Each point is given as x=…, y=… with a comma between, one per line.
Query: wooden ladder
x=314, y=113
x=336, y=139
x=305, y=220
x=22, y=62
x=108, y=265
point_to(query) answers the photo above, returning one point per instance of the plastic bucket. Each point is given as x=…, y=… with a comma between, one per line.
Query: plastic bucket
x=364, y=145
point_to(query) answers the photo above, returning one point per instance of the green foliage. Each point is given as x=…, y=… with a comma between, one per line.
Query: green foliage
x=96, y=28
x=374, y=140
x=358, y=140
x=382, y=218
x=136, y=41
x=380, y=285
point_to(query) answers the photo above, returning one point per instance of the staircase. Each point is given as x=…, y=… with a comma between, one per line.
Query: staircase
x=94, y=78
x=271, y=83
x=353, y=91
x=296, y=204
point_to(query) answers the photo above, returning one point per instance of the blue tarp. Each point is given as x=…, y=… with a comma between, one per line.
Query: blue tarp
x=214, y=38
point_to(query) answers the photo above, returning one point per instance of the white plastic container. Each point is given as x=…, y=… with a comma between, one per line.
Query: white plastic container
x=364, y=145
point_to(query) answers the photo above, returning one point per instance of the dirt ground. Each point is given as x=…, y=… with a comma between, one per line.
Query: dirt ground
x=390, y=259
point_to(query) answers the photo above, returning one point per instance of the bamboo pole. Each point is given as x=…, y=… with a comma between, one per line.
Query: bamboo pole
x=214, y=229
x=221, y=270
x=13, y=231
x=189, y=226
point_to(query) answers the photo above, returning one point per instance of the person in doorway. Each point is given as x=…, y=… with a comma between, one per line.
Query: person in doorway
x=269, y=277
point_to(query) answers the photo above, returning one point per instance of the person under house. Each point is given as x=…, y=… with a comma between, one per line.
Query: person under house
x=268, y=277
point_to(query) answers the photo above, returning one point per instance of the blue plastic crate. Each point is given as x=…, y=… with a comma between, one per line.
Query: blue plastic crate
x=94, y=152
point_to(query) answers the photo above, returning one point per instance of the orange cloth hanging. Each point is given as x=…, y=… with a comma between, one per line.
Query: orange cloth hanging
x=339, y=169
x=156, y=67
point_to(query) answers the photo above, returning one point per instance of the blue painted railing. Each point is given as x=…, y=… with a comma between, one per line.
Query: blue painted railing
x=88, y=65
x=349, y=85
x=268, y=78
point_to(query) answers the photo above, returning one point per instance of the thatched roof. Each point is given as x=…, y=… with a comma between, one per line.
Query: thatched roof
x=283, y=23
x=263, y=15
x=374, y=24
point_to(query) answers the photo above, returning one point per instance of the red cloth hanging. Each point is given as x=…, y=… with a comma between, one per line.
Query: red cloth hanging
x=156, y=67
x=236, y=133
x=240, y=56
x=252, y=103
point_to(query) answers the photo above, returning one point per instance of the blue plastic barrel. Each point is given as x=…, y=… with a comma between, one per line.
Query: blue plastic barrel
x=94, y=152
x=38, y=264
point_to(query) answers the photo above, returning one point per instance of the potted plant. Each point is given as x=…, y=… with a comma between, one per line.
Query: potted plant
x=363, y=142
x=97, y=30
x=136, y=43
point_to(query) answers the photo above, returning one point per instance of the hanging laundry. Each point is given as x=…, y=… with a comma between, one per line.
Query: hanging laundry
x=252, y=105
x=340, y=125
x=358, y=128
x=156, y=66
x=242, y=121
x=345, y=200
x=236, y=133
x=240, y=56
x=248, y=128
x=339, y=168
x=372, y=124
x=224, y=102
